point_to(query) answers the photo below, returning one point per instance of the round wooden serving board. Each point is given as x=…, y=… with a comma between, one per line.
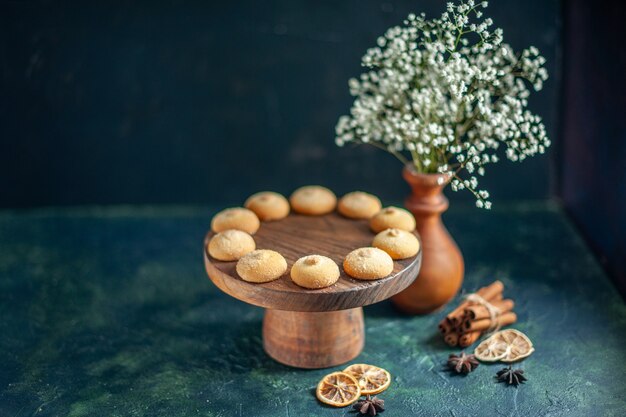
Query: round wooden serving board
x=297, y=235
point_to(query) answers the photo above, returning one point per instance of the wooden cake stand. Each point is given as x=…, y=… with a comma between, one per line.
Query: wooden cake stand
x=312, y=328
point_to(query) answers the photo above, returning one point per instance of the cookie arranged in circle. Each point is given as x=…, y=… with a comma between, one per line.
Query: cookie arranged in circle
x=368, y=264
x=392, y=218
x=399, y=244
x=313, y=200
x=359, y=205
x=261, y=265
x=231, y=245
x=268, y=205
x=237, y=218
x=314, y=271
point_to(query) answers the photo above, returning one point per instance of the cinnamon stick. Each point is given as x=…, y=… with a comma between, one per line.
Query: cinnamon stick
x=484, y=324
x=491, y=290
x=467, y=339
x=488, y=293
x=451, y=339
x=479, y=312
x=445, y=327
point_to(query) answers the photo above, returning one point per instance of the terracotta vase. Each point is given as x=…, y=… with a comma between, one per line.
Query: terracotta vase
x=441, y=274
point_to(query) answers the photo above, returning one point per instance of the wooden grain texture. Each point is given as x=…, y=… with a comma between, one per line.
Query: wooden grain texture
x=297, y=235
x=313, y=340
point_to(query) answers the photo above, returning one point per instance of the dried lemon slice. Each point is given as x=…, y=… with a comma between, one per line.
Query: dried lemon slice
x=519, y=345
x=507, y=346
x=491, y=349
x=371, y=379
x=338, y=389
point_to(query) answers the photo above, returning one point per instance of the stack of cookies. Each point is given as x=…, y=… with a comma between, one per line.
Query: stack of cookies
x=235, y=227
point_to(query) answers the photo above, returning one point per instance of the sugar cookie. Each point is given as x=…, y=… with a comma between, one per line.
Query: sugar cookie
x=313, y=200
x=359, y=205
x=261, y=265
x=368, y=263
x=268, y=205
x=399, y=244
x=314, y=271
x=235, y=218
x=392, y=218
x=231, y=245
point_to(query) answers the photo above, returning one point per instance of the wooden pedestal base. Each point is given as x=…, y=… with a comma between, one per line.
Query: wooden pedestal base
x=313, y=339
x=312, y=328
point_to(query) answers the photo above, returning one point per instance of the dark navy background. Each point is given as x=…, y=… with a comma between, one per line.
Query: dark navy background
x=201, y=102
x=593, y=150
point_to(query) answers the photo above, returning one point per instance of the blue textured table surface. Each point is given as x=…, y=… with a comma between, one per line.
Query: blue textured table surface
x=109, y=312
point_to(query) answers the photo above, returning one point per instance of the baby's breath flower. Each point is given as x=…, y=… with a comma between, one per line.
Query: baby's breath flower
x=449, y=93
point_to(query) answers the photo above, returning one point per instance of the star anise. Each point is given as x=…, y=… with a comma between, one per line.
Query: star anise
x=369, y=405
x=511, y=376
x=462, y=364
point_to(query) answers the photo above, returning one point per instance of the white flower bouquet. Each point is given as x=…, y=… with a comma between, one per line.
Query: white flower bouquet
x=448, y=92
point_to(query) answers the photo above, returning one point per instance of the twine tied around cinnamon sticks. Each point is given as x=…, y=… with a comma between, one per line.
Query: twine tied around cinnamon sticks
x=481, y=312
x=494, y=312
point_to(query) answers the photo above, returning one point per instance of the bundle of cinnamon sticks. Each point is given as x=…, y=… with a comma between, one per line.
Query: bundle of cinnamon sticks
x=464, y=325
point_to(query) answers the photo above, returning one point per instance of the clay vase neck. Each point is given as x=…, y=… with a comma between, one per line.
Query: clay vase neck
x=441, y=274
